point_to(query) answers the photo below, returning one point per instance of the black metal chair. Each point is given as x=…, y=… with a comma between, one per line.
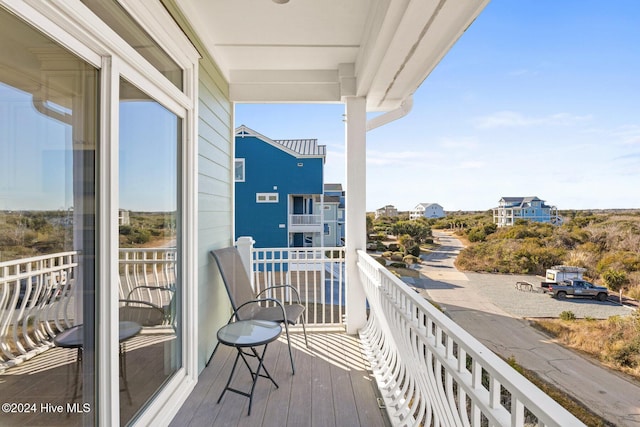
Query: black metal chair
x=250, y=305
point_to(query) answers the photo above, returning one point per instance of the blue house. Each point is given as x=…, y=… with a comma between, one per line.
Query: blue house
x=277, y=184
x=530, y=208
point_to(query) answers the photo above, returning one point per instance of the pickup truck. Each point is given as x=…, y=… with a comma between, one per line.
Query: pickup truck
x=560, y=273
x=578, y=288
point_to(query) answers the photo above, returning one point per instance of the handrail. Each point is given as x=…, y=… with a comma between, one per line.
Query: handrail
x=430, y=371
x=316, y=272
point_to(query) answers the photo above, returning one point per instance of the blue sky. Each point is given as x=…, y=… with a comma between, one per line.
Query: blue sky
x=538, y=98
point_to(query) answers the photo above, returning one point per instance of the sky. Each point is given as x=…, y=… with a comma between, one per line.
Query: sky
x=537, y=98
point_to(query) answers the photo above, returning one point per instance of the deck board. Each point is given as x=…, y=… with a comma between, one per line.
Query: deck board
x=331, y=387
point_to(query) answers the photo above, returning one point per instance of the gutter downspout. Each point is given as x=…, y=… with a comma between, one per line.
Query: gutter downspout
x=392, y=115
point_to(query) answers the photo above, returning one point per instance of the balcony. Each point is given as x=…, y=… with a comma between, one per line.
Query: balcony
x=300, y=223
x=409, y=358
x=427, y=370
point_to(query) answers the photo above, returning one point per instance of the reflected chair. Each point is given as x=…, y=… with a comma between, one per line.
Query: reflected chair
x=149, y=306
x=248, y=305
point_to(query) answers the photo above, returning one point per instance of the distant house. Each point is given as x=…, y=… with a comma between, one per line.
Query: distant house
x=427, y=210
x=278, y=186
x=123, y=217
x=333, y=215
x=511, y=209
x=388, y=210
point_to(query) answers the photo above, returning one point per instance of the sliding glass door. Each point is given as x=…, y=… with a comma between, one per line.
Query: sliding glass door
x=48, y=239
x=95, y=198
x=149, y=231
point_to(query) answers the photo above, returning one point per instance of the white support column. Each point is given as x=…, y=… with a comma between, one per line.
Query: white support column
x=355, y=209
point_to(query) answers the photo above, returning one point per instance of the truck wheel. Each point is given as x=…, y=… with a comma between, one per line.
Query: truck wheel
x=601, y=296
x=561, y=295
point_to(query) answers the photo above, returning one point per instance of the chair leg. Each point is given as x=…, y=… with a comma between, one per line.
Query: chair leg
x=286, y=328
x=304, y=329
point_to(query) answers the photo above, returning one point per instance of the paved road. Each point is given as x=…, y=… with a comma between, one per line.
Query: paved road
x=490, y=308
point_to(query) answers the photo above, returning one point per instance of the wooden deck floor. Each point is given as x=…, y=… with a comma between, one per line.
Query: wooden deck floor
x=331, y=387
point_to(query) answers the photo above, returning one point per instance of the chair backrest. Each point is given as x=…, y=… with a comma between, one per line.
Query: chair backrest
x=236, y=281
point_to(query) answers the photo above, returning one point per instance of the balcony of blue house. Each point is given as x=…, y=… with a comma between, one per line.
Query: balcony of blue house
x=304, y=216
x=305, y=223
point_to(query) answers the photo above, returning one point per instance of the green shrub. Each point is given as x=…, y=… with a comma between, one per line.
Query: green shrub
x=413, y=250
x=397, y=256
x=382, y=261
x=627, y=355
x=398, y=265
x=411, y=259
x=567, y=315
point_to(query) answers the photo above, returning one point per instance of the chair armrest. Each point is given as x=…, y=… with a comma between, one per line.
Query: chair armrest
x=258, y=301
x=155, y=288
x=281, y=286
x=140, y=302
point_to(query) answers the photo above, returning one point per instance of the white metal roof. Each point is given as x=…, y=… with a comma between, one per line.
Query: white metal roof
x=323, y=50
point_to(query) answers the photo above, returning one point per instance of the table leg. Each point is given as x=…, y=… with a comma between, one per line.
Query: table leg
x=254, y=375
x=123, y=370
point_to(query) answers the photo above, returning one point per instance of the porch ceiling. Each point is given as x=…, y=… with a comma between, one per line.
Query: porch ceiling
x=323, y=50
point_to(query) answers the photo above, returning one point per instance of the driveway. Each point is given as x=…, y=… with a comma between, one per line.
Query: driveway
x=490, y=308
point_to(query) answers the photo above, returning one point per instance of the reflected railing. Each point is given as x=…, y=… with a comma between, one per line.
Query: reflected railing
x=37, y=296
x=36, y=303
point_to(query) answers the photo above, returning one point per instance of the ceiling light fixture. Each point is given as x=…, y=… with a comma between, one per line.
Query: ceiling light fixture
x=281, y=1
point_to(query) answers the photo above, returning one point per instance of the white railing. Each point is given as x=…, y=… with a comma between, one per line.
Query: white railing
x=147, y=274
x=37, y=294
x=431, y=372
x=303, y=219
x=36, y=297
x=317, y=273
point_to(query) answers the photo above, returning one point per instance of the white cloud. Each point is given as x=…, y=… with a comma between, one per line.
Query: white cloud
x=472, y=165
x=398, y=158
x=516, y=119
x=465, y=143
x=628, y=134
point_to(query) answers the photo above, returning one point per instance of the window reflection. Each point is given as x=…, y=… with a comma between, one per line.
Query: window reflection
x=48, y=118
x=149, y=281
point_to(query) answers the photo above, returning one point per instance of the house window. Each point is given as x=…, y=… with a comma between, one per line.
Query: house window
x=266, y=197
x=327, y=229
x=238, y=170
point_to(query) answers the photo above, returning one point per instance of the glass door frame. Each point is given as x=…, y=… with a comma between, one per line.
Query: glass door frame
x=76, y=28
